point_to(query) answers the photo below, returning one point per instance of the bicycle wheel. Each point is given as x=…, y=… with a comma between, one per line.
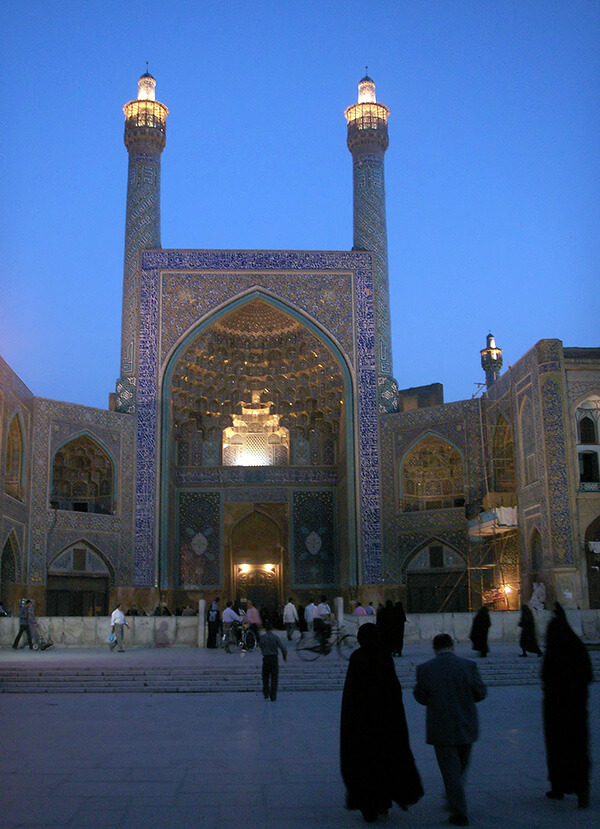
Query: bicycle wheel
x=308, y=650
x=347, y=645
x=230, y=646
x=249, y=641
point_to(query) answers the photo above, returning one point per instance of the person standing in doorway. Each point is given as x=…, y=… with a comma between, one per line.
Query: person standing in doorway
x=270, y=644
x=449, y=686
x=25, y=621
x=117, y=624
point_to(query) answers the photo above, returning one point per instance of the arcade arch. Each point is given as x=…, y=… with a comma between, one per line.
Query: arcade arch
x=257, y=397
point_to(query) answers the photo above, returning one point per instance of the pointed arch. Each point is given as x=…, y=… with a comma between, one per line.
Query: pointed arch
x=14, y=476
x=306, y=378
x=83, y=475
x=527, y=433
x=10, y=567
x=503, y=456
x=431, y=474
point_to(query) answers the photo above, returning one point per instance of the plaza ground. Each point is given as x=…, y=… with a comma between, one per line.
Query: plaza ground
x=233, y=760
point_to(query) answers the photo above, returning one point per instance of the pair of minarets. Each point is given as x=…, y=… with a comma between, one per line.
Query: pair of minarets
x=145, y=131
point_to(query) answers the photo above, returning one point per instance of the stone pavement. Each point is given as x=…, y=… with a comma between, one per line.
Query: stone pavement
x=233, y=760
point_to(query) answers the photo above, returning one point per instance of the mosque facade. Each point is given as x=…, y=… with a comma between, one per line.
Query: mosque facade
x=257, y=445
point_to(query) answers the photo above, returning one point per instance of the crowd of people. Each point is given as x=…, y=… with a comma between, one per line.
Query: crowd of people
x=373, y=720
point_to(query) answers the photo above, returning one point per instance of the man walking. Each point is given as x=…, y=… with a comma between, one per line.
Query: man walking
x=290, y=618
x=25, y=619
x=450, y=686
x=117, y=623
x=270, y=644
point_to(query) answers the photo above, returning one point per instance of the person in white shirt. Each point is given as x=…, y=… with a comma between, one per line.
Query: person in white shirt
x=117, y=623
x=229, y=616
x=290, y=618
x=310, y=611
x=322, y=623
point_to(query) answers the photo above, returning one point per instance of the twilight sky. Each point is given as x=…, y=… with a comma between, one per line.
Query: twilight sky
x=492, y=174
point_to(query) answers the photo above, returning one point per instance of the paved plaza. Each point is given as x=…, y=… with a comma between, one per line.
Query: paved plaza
x=233, y=760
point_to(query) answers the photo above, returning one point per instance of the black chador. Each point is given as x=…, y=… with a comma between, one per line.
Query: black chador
x=376, y=761
x=528, y=640
x=566, y=674
x=479, y=631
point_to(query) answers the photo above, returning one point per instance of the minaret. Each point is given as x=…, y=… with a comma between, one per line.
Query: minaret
x=491, y=360
x=145, y=134
x=367, y=141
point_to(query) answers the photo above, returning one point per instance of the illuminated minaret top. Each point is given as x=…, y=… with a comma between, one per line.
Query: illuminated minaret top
x=145, y=136
x=145, y=117
x=367, y=141
x=367, y=119
x=491, y=360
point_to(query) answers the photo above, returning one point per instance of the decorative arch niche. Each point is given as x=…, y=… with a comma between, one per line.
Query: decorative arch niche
x=82, y=477
x=256, y=388
x=503, y=459
x=432, y=476
x=14, y=477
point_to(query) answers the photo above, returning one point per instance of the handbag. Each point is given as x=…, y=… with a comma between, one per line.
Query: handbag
x=111, y=638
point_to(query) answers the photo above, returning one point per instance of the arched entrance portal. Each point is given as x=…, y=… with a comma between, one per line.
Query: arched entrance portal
x=257, y=410
x=257, y=547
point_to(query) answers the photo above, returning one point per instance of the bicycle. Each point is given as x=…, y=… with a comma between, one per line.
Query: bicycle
x=309, y=649
x=238, y=637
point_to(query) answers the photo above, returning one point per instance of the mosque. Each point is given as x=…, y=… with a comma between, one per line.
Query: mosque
x=258, y=446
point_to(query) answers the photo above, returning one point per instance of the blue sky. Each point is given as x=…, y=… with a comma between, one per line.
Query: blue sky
x=492, y=175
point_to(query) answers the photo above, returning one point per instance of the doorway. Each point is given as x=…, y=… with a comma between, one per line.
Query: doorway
x=257, y=550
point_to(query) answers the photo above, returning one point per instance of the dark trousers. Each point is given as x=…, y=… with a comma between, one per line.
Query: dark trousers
x=453, y=762
x=270, y=676
x=22, y=630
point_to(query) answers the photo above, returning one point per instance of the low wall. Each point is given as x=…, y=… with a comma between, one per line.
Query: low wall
x=93, y=632
x=188, y=631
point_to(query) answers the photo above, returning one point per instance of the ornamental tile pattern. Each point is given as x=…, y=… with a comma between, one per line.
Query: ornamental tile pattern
x=298, y=279
x=51, y=531
x=370, y=233
x=142, y=230
x=458, y=423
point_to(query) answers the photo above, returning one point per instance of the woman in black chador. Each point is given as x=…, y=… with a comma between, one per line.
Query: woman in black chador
x=479, y=631
x=528, y=640
x=376, y=761
x=566, y=674
x=398, y=621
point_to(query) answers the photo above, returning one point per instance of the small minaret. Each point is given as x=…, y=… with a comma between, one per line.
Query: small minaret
x=367, y=141
x=491, y=360
x=145, y=135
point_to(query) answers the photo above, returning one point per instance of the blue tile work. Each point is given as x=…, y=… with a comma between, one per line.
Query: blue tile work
x=314, y=562
x=405, y=531
x=370, y=233
x=200, y=539
x=142, y=230
x=301, y=279
x=15, y=400
x=52, y=531
x=552, y=394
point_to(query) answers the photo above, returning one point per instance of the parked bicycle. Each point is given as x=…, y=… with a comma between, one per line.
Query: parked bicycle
x=239, y=637
x=312, y=647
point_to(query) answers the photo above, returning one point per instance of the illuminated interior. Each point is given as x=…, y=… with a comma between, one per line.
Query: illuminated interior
x=256, y=388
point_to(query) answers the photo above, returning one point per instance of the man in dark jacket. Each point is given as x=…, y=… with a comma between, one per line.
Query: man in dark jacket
x=450, y=686
x=25, y=617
